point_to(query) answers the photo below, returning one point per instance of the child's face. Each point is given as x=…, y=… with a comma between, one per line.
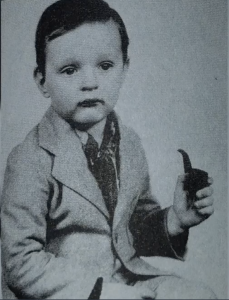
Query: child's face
x=84, y=72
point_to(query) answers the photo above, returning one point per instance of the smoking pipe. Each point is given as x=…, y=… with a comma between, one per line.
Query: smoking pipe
x=196, y=179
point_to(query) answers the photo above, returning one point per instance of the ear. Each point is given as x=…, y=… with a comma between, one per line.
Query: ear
x=126, y=65
x=41, y=84
x=125, y=68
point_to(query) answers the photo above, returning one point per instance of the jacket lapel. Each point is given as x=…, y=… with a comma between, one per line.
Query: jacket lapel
x=70, y=165
x=128, y=177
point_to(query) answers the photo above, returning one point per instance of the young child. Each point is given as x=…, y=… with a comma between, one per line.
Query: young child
x=77, y=211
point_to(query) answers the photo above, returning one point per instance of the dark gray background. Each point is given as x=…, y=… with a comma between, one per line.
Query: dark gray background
x=175, y=96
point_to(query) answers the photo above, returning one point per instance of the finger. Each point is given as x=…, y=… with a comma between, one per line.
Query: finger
x=152, y=296
x=206, y=211
x=210, y=180
x=204, y=202
x=147, y=293
x=206, y=192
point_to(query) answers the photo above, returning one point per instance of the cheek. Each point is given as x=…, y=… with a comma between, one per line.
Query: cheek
x=113, y=85
x=59, y=90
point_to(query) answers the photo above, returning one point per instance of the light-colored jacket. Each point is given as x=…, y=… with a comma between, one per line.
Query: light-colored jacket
x=56, y=240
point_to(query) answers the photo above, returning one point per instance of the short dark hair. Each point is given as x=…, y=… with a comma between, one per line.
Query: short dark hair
x=66, y=15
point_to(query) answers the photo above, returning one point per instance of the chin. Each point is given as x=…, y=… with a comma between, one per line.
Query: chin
x=90, y=116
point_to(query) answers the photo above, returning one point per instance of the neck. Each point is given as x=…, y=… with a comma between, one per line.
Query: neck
x=95, y=129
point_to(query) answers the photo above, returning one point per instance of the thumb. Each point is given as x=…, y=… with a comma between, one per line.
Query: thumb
x=180, y=181
x=179, y=190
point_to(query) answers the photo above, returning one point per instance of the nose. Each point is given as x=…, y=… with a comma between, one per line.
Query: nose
x=89, y=80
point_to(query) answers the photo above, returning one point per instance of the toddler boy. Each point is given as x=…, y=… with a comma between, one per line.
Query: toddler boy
x=77, y=211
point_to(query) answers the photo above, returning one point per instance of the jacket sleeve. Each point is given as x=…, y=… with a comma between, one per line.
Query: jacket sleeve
x=148, y=225
x=30, y=271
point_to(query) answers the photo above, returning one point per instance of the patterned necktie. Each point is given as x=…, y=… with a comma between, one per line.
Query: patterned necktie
x=91, y=150
x=104, y=165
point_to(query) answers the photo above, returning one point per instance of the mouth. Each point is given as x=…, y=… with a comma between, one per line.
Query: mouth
x=90, y=103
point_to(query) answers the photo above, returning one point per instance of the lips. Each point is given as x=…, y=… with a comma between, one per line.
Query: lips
x=90, y=102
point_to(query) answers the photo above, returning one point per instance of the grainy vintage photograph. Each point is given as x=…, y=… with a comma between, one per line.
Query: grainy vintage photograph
x=114, y=149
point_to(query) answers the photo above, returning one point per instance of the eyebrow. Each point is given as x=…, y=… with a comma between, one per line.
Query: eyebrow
x=66, y=64
x=73, y=61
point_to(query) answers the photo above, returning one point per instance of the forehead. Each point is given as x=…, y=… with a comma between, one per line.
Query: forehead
x=86, y=41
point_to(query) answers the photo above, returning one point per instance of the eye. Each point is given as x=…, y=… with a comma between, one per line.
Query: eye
x=106, y=65
x=69, y=70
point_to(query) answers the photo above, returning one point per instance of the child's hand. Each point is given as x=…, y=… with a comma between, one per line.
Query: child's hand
x=122, y=291
x=181, y=216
